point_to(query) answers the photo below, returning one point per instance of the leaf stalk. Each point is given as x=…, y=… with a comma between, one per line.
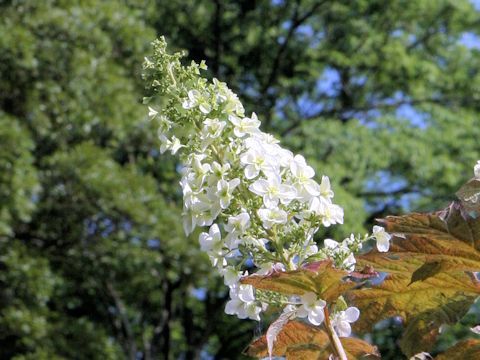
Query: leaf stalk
x=337, y=346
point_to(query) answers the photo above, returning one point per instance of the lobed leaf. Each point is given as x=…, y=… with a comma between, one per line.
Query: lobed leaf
x=299, y=341
x=429, y=281
x=452, y=232
x=430, y=278
x=319, y=277
x=397, y=295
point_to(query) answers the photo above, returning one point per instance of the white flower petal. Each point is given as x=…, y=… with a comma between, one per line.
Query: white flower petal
x=343, y=328
x=316, y=318
x=352, y=314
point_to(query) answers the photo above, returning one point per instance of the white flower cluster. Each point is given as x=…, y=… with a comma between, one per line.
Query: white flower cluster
x=255, y=196
x=476, y=170
x=259, y=201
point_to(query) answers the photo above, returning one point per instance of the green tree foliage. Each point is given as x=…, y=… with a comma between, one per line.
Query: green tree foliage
x=94, y=263
x=379, y=95
x=374, y=92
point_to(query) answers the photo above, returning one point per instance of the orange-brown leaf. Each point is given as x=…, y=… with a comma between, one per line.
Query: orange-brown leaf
x=321, y=278
x=429, y=278
x=299, y=341
x=397, y=296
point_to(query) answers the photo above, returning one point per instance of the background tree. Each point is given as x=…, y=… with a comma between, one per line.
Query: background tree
x=374, y=92
x=379, y=95
x=94, y=261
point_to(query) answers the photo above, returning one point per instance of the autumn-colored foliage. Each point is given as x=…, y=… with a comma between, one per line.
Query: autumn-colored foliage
x=428, y=278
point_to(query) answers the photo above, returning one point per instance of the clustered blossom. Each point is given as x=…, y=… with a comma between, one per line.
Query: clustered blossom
x=258, y=204
x=477, y=170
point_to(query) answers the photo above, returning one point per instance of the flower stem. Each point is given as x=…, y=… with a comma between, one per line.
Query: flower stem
x=334, y=339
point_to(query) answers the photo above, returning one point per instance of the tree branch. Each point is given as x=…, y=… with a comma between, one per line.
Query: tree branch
x=334, y=339
x=429, y=32
x=218, y=41
x=356, y=110
x=162, y=330
x=296, y=21
x=401, y=191
x=131, y=345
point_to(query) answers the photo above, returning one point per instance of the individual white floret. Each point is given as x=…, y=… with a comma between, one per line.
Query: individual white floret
x=164, y=124
x=383, y=238
x=224, y=191
x=213, y=127
x=219, y=172
x=341, y=250
x=172, y=145
x=238, y=223
x=273, y=191
x=329, y=213
x=311, y=250
x=211, y=240
x=269, y=267
x=325, y=189
x=283, y=156
x=273, y=216
x=196, y=98
x=235, y=227
x=200, y=171
x=342, y=320
x=152, y=113
x=212, y=243
x=230, y=275
x=300, y=169
x=265, y=138
x=256, y=160
x=217, y=258
x=312, y=308
x=244, y=126
x=227, y=98
x=198, y=211
x=243, y=303
x=302, y=179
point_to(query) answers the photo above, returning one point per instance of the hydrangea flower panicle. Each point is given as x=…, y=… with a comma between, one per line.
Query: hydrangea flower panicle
x=261, y=203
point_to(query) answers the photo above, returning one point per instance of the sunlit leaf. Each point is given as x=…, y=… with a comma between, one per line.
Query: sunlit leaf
x=398, y=296
x=429, y=274
x=320, y=277
x=299, y=341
